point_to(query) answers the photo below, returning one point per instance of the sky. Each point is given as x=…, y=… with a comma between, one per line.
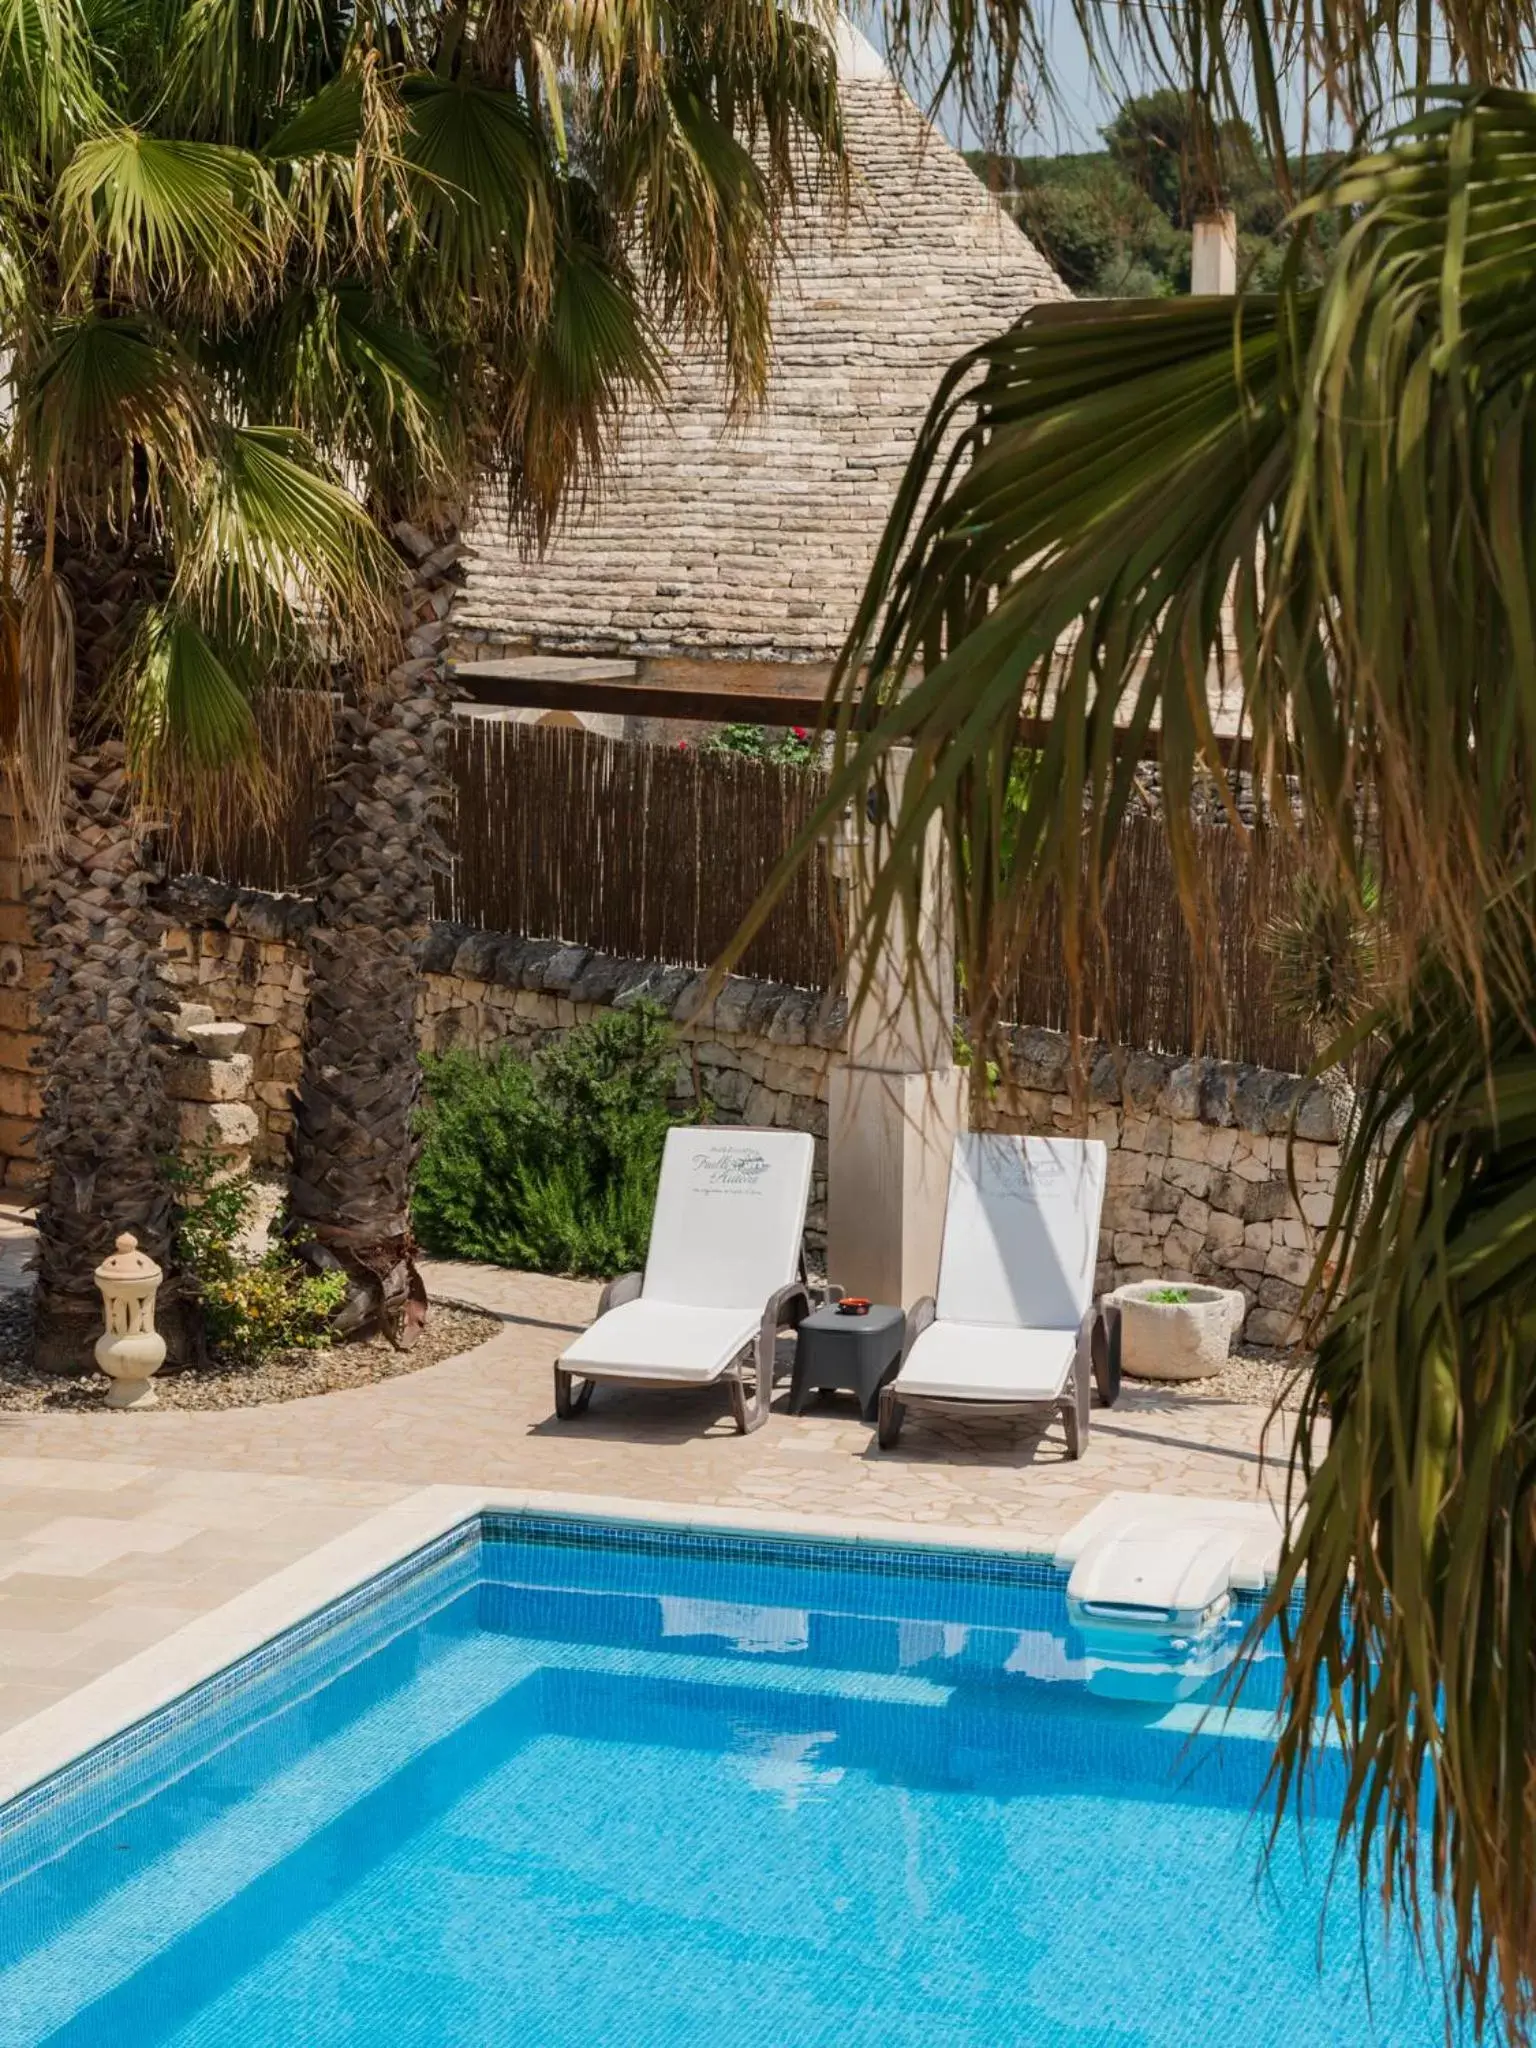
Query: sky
x=1081, y=104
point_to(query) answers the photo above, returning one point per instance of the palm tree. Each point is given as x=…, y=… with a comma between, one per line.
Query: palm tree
x=581, y=189
x=421, y=243
x=163, y=550
x=1327, y=495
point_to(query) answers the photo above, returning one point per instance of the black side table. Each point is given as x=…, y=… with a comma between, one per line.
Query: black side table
x=856, y=1352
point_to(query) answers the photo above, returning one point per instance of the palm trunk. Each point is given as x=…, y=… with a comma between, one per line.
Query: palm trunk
x=107, y=1125
x=374, y=855
x=106, y=1014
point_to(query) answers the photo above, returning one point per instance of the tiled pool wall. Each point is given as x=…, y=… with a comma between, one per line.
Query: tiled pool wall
x=479, y=1557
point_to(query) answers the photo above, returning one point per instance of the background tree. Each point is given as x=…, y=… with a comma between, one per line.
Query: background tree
x=1116, y=222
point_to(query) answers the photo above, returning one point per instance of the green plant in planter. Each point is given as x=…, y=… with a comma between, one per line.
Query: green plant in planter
x=549, y=1163
x=1168, y=1297
x=253, y=1303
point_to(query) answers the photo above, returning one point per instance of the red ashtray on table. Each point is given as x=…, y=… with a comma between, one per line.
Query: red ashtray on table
x=853, y=1305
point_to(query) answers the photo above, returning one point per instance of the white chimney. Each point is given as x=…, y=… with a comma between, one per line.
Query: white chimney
x=1213, y=261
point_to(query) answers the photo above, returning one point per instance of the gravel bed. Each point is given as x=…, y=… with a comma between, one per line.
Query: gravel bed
x=1250, y=1375
x=286, y=1376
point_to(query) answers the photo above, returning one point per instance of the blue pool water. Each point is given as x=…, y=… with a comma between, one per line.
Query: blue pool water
x=552, y=1784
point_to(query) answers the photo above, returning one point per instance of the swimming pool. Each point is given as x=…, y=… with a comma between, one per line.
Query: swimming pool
x=552, y=1782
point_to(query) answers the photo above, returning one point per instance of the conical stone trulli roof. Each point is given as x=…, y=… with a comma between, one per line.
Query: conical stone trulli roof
x=753, y=542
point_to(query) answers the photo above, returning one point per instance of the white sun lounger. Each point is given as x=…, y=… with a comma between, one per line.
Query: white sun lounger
x=722, y=1275
x=1013, y=1328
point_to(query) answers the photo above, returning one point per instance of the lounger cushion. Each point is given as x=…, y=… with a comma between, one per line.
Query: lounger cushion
x=1021, y=1231
x=663, y=1340
x=979, y=1362
x=730, y=1213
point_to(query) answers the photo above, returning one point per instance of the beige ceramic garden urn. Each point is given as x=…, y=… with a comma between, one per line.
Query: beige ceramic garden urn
x=130, y=1350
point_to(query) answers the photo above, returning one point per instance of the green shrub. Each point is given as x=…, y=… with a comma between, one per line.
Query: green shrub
x=1167, y=1297
x=253, y=1304
x=549, y=1163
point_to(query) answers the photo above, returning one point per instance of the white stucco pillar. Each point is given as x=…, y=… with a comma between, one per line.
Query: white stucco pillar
x=894, y=1106
x=1213, y=257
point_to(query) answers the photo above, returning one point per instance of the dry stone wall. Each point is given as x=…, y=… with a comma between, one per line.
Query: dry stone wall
x=1198, y=1182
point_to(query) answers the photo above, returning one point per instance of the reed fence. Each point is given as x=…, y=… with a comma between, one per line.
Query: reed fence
x=655, y=853
x=650, y=853
x=1141, y=982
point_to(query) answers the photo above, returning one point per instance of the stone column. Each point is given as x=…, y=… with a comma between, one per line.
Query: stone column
x=1213, y=257
x=894, y=1107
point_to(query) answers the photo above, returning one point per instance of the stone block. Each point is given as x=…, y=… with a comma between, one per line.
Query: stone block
x=189, y=1079
x=1181, y=1092
x=20, y=1096
x=188, y=1014
x=1266, y=1200
x=1040, y=1058
x=1279, y=1294
x=1228, y=1192
x=223, y=1126
x=1286, y=1263
x=1125, y=1169
x=1181, y=1247
x=1190, y=1141
x=441, y=944
x=1218, y=1088
x=213, y=1040
x=1220, y=1146
x=1273, y=1327
x=1162, y=1198
x=1240, y=1258
x=1314, y=1115
x=761, y=1106
x=1104, y=1085
x=562, y=970
x=790, y=1023
x=1192, y=1175
x=1317, y=1207
x=1284, y=1094
x=1142, y=1080
x=1222, y=1229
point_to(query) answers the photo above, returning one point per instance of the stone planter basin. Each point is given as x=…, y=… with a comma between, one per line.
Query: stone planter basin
x=1176, y=1340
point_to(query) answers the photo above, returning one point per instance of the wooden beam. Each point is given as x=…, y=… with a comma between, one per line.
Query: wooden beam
x=723, y=692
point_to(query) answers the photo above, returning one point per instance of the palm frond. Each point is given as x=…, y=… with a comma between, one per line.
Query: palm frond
x=269, y=539
x=160, y=216
x=48, y=88
x=1083, y=540
x=106, y=412
x=1411, y=1641
x=483, y=206
x=232, y=59
x=584, y=358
